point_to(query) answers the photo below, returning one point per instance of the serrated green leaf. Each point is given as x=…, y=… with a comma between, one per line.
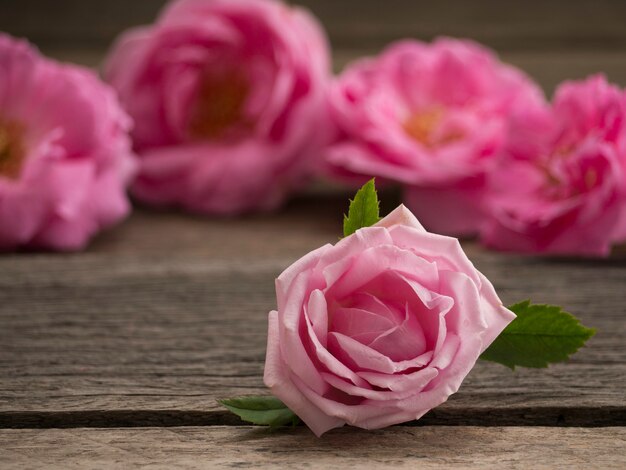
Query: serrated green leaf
x=268, y=411
x=540, y=335
x=363, y=211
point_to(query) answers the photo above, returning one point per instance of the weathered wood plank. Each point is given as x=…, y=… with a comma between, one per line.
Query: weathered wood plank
x=237, y=447
x=356, y=23
x=168, y=312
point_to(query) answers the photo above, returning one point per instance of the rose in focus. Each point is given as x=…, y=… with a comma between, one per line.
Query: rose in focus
x=561, y=184
x=229, y=102
x=430, y=116
x=65, y=157
x=379, y=328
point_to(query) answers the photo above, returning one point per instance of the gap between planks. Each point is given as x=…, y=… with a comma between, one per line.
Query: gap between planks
x=608, y=416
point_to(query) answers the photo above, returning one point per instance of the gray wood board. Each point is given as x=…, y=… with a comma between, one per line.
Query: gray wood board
x=248, y=447
x=518, y=25
x=168, y=312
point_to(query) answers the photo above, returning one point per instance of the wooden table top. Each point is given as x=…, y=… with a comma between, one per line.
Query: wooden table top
x=115, y=357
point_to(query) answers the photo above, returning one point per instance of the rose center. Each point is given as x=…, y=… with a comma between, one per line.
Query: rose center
x=591, y=178
x=560, y=185
x=219, y=105
x=11, y=150
x=424, y=126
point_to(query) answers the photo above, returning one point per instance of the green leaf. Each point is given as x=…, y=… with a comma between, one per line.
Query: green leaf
x=540, y=335
x=267, y=411
x=364, y=209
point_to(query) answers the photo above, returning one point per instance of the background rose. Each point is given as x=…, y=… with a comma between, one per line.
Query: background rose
x=228, y=97
x=65, y=156
x=379, y=328
x=561, y=187
x=431, y=116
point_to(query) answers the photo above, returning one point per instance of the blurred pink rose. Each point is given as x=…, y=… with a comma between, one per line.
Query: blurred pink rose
x=379, y=328
x=65, y=156
x=229, y=102
x=561, y=188
x=431, y=116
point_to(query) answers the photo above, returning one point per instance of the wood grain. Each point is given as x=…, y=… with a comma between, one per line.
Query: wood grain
x=248, y=447
x=168, y=312
x=511, y=25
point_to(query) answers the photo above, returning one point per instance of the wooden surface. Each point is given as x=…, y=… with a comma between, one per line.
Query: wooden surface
x=436, y=447
x=552, y=40
x=549, y=24
x=113, y=358
x=167, y=313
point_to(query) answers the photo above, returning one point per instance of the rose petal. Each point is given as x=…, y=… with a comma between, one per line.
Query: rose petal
x=352, y=414
x=359, y=357
x=291, y=325
x=317, y=313
x=362, y=325
x=431, y=310
x=277, y=379
x=400, y=216
x=466, y=316
x=371, y=394
x=374, y=261
x=330, y=361
x=413, y=381
x=287, y=277
x=445, y=252
x=403, y=341
x=444, y=357
x=496, y=315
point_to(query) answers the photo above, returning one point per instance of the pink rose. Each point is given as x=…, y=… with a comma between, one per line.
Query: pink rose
x=561, y=188
x=379, y=328
x=431, y=116
x=229, y=102
x=65, y=157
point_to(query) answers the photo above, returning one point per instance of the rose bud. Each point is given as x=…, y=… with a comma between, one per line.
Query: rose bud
x=229, y=102
x=65, y=157
x=379, y=328
x=561, y=187
x=430, y=116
